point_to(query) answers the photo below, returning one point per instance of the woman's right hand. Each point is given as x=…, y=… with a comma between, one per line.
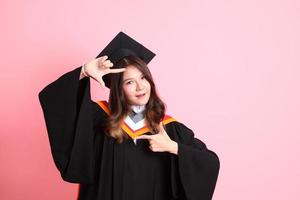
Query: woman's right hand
x=99, y=67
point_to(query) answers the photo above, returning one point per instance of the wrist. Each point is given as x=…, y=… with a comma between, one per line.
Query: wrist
x=83, y=71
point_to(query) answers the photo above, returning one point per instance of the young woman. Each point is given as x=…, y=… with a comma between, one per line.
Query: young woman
x=127, y=148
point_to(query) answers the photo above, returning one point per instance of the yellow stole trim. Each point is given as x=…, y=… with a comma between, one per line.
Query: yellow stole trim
x=104, y=105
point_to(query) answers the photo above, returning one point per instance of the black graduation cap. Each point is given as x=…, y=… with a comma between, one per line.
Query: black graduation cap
x=121, y=46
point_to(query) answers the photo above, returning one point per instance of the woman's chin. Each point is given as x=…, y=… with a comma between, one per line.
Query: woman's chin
x=140, y=102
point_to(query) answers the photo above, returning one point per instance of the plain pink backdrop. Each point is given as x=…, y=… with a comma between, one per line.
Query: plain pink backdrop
x=227, y=69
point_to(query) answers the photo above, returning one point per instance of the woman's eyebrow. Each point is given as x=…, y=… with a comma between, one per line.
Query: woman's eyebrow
x=132, y=77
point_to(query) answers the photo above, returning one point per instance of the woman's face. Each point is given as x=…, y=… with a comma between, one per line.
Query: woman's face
x=136, y=88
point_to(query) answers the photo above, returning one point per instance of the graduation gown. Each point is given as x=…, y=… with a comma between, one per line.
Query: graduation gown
x=107, y=170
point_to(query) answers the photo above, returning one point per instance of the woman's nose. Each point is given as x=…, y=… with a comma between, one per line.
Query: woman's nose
x=139, y=85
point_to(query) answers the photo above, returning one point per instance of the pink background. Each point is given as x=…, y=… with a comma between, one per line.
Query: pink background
x=227, y=69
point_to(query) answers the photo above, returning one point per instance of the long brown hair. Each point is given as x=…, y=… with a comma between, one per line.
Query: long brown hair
x=119, y=107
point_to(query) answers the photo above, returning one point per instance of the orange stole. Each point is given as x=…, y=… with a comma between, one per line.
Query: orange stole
x=104, y=105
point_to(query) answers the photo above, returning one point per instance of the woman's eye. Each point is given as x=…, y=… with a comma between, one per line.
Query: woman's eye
x=143, y=77
x=129, y=82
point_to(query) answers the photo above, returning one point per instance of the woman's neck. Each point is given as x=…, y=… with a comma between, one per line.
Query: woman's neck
x=138, y=108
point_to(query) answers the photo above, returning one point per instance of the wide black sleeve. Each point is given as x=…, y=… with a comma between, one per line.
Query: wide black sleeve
x=73, y=121
x=195, y=168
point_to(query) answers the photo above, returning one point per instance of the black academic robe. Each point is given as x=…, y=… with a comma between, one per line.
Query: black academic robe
x=107, y=170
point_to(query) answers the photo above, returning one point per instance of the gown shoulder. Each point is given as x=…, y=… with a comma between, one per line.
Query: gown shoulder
x=72, y=119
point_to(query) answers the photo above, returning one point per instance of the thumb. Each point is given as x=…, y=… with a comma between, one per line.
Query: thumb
x=143, y=137
x=102, y=83
x=99, y=80
x=161, y=128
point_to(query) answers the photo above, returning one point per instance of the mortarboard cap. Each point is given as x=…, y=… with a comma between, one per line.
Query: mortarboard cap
x=121, y=46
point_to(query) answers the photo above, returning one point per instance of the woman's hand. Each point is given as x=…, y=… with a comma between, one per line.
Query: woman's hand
x=99, y=67
x=161, y=141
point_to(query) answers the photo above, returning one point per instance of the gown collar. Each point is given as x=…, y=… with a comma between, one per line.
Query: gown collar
x=136, y=118
x=133, y=133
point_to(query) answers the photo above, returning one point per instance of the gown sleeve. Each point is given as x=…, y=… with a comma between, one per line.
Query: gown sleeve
x=195, y=168
x=72, y=119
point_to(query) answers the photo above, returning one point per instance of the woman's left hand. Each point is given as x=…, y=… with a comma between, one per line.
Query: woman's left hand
x=161, y=141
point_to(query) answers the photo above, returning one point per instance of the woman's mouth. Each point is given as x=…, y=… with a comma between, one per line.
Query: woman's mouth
x=140, y=95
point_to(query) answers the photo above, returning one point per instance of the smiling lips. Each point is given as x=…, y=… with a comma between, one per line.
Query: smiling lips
x=140, y=95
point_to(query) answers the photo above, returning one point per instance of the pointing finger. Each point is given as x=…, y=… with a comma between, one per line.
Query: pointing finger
x=143, y=137
x=117, y=70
